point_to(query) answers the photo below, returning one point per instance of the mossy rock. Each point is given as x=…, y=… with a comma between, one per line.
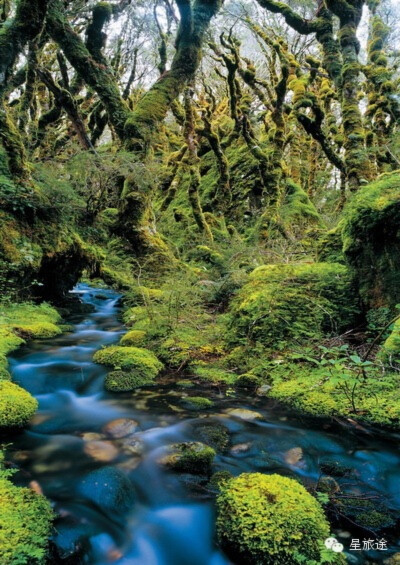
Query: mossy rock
x=142, y=364
x=25, y=525
x=17, y=406
x=190, y=457
x=134, y=337
x=197, y=403
x=371, y=240
x=247, y=381
x=125, y=381
x=213, y=433
x=290, y=303
x=390, y=350
x=269, y=519
x=39, y=330
x=219, y=479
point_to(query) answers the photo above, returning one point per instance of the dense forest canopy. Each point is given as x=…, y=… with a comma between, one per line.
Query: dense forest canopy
x=232, y=169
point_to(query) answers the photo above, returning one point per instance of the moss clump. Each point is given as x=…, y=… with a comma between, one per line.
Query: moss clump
x=124, y=381
x=140, y=362
x=190, y=457
x=8, y=342
x=371, y=240
x=17, y=406
x=248, y=381
x=211, y=374
x=286, y=304
x=197, y=403
x=39, y=330
x=219, y=479
x=390, y=350
x=269, y=519
x=213, y=434
x=25, y=525
x=134, y=337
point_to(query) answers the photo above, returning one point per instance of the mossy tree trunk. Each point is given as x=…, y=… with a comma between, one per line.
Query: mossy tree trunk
x=356, y=157
x=26, y=25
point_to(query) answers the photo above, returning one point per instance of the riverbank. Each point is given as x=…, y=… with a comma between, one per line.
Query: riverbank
x=84, y=436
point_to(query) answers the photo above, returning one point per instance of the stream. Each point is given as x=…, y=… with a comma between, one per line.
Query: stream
x=116, y=503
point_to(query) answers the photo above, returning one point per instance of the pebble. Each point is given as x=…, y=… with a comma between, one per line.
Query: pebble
x=101, y=450
x=244, y=414
x=120, y=428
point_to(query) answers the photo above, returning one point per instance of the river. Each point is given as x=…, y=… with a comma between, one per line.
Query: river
x=116, y=503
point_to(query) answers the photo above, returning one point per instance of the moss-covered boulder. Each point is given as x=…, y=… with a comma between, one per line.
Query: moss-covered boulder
x=125, y=381
x=190, y=457
x=134, y=337
x=371, y=240
x=197, y=403
x=133, y=366
x=291, y=303
x=17, y=406
x=25, y=525
x=269, y=519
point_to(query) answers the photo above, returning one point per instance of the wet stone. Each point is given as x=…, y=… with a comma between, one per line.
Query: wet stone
x=244, y=414
x=101, y=450
x=240, y=448
x=120, y=428
x=108, y=488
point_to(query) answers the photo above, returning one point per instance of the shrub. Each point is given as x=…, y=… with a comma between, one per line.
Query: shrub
x=269, y=519
x=17, y=406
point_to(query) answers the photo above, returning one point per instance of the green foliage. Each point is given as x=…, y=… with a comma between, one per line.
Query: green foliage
x=17, y=406
x=25, y=524
x=269, y=519
x=286, y=304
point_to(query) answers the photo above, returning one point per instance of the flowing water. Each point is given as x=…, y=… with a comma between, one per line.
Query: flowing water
x=116, y=503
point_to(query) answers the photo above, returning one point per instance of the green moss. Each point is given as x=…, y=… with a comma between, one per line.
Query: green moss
x=219, y=479
x=248, y=381
x=190, y=457
x=143, y=295
x=25, y=525
x=269, y=519
x=390, y=350
x=133, y=337
x=286, y=304
x=142, y=363
x=371, y=240
x=212, y=374
x=213, y=434
x=17, y=406
x=125, y=381
x=197, y=403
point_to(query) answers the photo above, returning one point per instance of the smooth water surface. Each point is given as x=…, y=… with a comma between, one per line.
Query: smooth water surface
x=143, y=514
